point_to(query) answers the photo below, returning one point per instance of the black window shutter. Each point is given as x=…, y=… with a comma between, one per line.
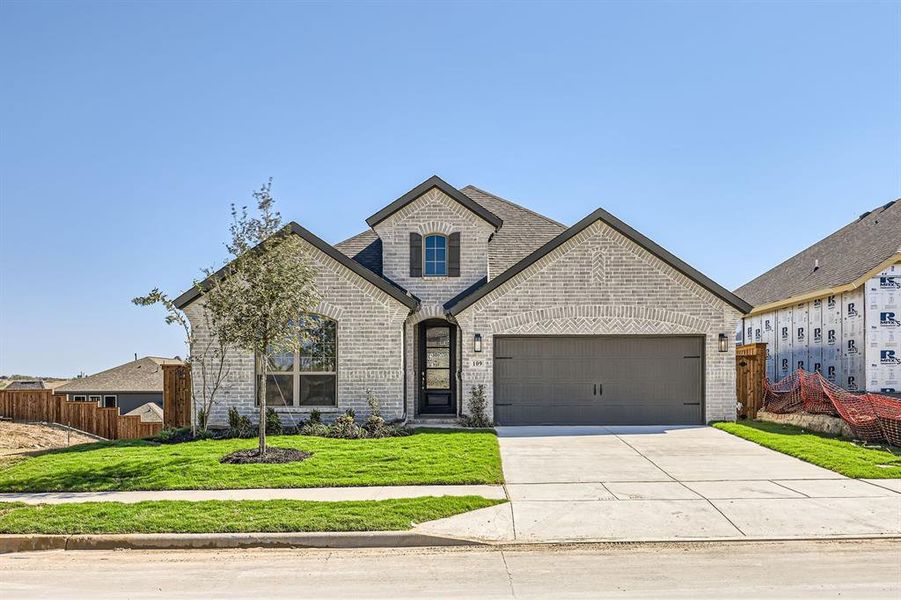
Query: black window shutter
x=415, y=255
x=453, y=255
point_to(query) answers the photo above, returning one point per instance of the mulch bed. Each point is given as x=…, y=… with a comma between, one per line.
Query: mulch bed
x=273, y=455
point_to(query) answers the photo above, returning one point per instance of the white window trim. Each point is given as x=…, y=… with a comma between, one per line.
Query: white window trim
x=425, y=262
x=79, y=398
x=115, y=400
x=96, y=398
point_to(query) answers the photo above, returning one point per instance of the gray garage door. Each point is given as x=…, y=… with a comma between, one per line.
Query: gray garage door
x=591, y=380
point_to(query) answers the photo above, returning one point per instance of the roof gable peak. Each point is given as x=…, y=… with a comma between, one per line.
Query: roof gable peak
x=435, y=182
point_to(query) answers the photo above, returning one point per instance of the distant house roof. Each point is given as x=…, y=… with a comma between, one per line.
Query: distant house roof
x=21, y=384
x=142, y=375
x=851, y=253
x=149, y=413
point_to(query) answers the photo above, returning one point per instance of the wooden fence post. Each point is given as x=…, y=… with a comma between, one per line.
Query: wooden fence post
x=750, y=376
x=177, y=395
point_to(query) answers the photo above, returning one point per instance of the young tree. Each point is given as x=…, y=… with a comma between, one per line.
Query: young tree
x=255, y=301
x=207, y=356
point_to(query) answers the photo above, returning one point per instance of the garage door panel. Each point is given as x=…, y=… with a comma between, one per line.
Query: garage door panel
x=598, y=380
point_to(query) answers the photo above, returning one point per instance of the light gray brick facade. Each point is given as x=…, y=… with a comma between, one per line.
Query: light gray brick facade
x=602, y=283
x=370, y=329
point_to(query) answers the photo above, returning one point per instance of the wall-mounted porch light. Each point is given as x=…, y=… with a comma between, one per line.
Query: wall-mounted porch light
x=724, y=342
x=477, y=343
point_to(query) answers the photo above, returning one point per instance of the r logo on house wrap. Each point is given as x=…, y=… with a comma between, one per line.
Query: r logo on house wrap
x=830, y=337
x=800, y=334
x=817, y=334
x=889, y=283
x=852, y=383
x=888, y=319
x=785, y=333
x=888, y=357
x=852, y=347
x=830, y=373
x=852, y=310
x=767, y=325
x=830, y=302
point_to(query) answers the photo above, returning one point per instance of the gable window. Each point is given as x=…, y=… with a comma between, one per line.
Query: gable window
x=435, y=256
x=308, y=377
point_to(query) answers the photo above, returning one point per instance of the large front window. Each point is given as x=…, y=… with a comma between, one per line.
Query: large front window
x=435, y=255
x=307, y=377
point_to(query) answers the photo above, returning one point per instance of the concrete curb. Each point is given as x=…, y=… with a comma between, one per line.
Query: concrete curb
x=346, y=540
x=208, y=541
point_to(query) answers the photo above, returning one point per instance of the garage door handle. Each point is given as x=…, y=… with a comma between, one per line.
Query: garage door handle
x=600, y=387
x=595, y=392
x=691, y=404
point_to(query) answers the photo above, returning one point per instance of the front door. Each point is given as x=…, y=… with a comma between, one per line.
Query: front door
x=437, y=345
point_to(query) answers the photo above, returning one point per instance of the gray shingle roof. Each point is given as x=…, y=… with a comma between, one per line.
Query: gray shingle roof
x=845, y=256
x=27, y=385
x=523, y=230
x=142, y=375
x=520, y=234
x=365, y=248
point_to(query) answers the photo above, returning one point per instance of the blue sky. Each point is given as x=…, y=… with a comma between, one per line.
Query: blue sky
x=732, y=134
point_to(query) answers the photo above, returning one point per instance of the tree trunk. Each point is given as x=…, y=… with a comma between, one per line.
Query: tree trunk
x=261, y=400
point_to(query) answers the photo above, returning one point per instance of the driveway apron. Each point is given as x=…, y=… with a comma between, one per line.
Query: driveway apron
x=667, y=483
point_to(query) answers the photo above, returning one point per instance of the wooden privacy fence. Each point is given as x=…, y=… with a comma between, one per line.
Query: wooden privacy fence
x=177, y=395
x=750, y=376
x=44, y=405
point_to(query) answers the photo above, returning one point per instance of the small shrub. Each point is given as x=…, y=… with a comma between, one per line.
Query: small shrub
x=345, y=427
x=173, y=435
x=239, y=425
x=375, y=405
x=201, y=419
x=273, y=422
x=477, y=404
x=315, y=416
x=315, y=429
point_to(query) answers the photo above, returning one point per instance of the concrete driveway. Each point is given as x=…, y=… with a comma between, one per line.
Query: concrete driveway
x=668, y=483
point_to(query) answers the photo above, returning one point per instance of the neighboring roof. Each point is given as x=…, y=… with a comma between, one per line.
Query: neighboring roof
x=389, y=287
x=845, y=256
x=149, y=413
x=523, y=230
x=602, y=215
x=434, y=182
x=142, y=375
x=21, y=384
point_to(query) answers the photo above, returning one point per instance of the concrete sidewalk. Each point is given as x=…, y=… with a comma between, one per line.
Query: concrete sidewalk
x=645, y=483
x=331, y=494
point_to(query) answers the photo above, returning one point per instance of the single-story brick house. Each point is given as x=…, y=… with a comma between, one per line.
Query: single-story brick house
x=451, y=288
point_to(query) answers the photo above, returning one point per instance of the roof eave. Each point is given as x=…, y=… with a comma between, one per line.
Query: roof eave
x=393, y=290
x=625, y=230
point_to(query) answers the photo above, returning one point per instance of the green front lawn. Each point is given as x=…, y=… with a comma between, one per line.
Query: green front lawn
x=833, y=453
x=430, y=457
x=223, y=516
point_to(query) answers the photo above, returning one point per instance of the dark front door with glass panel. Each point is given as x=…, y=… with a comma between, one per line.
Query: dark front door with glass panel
x=437, y=343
